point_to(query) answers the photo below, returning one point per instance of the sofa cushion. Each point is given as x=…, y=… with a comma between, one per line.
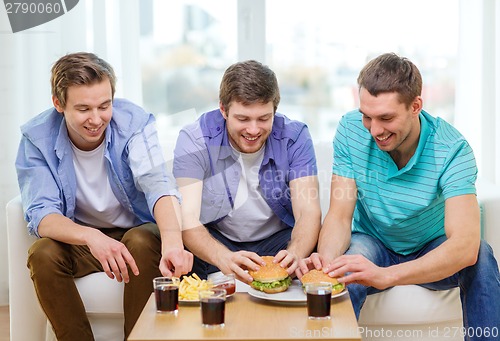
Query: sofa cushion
x=100, y=294
x=411, y=305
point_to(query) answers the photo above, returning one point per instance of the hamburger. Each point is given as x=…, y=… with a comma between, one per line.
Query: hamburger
x=317, y=276
x=271, y=278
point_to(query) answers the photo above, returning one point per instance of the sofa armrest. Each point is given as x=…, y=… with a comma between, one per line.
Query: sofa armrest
x=27, y=321
x=488, y=195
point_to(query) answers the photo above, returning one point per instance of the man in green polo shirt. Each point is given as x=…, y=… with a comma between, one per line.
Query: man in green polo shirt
x=403, y=207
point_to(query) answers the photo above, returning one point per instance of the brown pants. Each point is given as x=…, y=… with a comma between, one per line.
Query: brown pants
x=54, y=265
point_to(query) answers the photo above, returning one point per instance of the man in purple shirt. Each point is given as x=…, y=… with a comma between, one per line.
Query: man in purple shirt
x=248, y=179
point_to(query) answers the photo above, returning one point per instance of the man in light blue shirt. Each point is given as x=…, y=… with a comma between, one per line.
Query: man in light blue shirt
x=403, y=204
x=248, y=180
x=95, y=189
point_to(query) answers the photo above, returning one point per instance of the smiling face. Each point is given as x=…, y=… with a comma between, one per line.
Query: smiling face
x=248, y=126
x=394, y=126
x=87, y=113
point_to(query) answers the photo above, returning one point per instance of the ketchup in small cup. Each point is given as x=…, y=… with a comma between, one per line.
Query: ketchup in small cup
x=227, y=282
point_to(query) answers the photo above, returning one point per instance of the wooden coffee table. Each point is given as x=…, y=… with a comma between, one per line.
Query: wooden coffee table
x=248, y=318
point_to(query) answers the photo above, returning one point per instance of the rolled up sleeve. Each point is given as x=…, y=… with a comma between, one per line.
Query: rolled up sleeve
x=148, y=166
x=39, y=192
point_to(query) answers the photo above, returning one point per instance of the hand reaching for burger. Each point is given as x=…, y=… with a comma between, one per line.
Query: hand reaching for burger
x=312, y=269
x=314, y=261
x=287, y=260
x=239, y=262
x=358, y=269
x=348, y=269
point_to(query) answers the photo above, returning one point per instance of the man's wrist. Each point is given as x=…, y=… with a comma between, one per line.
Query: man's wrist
x=170, y=245
x=296, y=252
x=221, y=252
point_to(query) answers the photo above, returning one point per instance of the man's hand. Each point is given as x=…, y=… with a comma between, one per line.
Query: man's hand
x=176, y=262
x=287, y=260
x=360, y=271
x=112, y=254
x=238, y=262
x=314, y=261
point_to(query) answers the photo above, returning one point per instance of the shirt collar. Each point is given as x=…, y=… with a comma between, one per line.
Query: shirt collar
x=216, y=125
x=62, y=142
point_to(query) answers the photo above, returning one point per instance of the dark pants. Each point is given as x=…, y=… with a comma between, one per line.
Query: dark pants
x=269, y=246
x=54, y=265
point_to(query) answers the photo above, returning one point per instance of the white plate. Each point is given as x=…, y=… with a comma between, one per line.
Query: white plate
x=294, y=294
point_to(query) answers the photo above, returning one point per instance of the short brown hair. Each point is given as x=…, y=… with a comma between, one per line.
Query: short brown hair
x=391, y=73
x=249, y=82
x=80, y=68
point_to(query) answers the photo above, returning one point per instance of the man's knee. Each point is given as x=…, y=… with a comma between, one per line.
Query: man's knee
x=486, y=259
x=47, y=254
x=141, y=240
x=362, y=244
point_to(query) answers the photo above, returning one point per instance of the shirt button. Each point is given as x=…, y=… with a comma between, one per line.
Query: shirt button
x=218, y=128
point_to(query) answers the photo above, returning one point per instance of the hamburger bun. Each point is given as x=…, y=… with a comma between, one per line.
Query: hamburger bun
x=271, y=278
x=317, y=276
x=270, y=272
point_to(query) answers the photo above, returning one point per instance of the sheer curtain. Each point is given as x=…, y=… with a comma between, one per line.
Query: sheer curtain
x=108, y=28
x=478, y=83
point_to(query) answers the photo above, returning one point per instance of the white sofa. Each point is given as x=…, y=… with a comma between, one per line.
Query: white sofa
x=408, y=312
x=103, y=298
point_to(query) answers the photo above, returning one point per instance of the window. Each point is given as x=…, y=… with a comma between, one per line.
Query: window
x=316, y=48
x=185, y=48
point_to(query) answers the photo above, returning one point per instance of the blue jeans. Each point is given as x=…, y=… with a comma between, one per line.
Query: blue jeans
x=479, y=284
x=266, y=247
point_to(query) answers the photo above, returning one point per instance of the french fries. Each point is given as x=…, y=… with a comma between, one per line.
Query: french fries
x=190, y=285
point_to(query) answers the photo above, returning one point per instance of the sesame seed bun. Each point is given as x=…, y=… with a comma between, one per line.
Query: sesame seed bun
x=317, y=276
